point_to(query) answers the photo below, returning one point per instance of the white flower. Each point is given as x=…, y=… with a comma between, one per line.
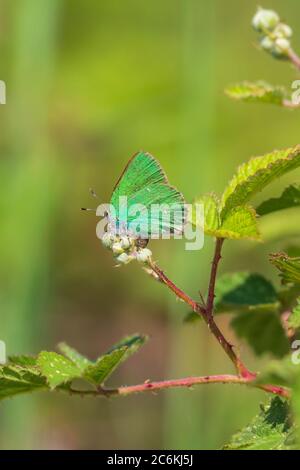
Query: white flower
x=265, y=20
x=126, y=242
x=283, y=31
x=124, y=258
x=144, y=255
x=107, y=240
x=281, y=47
x=117, y=248
x=267, y=44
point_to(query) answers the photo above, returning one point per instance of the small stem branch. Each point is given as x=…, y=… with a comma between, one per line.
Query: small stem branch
x=186, y=382
x=213, y=275
x=204, y=311
x=289, y=104
x=294, y=58
x=245, y=376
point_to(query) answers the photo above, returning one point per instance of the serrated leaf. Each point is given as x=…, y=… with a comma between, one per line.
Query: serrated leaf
x=257, y=92
x=132, y=343
x=262, y=329
x=105, y=365
x=243, y=290
x=256, y=174
x=211, y=213
x=79, y=360
x=98, y=372
x=269, y=430
x=16, y=380
x=289, y=267
x=289, y=198
x=294, y=318
x=239, y=223
x=23, y=361
x=51, y=370
x=57, y=368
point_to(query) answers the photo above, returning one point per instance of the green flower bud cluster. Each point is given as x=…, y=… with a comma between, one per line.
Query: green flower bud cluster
x=125, y=249
x=275, y=35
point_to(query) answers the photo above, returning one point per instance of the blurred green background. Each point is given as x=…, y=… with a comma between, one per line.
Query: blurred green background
x=89, y=84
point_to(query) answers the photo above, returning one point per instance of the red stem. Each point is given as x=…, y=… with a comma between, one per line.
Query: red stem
x=294, y=58
x=206, y=312
x=244, y=374
x=213, y=275
x=186, y=382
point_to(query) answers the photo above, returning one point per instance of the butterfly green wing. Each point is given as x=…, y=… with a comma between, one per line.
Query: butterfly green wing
x=144, y=182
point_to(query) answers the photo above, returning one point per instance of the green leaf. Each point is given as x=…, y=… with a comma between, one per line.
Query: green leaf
x=239, y=223
x=280, y=372
x=23, y=361
x=211, y=213
x=257, y=92
x=294, y=319
x=15, y=380
x=51, y=370
x=262, y=329
x=99, y=371
x=80, y=361
x=289, y=198
x=269, y=430
x=57, y=368
x=289, y=267
x=244, y=290
x=256, y=174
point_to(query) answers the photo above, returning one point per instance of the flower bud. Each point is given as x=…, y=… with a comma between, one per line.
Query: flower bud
x=267, y=44
x=117, y=248
x=124, y=258
x=282, y=46
x=144, y=255
x=125, y=242
x=283, y=31
x=107, y=240
x=265, y=20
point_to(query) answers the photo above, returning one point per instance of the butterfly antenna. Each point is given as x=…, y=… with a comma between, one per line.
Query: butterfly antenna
x=88, y=209
x=94, y=194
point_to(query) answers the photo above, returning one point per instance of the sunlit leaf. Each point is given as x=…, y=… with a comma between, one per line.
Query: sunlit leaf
x=211, y=213
x=239, y=223
x=57, y=368
x=257, y=92
x=289, y=267
x=256, y=174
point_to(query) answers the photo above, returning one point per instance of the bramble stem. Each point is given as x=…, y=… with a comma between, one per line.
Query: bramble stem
x=186, y=382
x=294, y=58
x=213, y=275
x=206, y=312
x=245, y=376
x=289, y=104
